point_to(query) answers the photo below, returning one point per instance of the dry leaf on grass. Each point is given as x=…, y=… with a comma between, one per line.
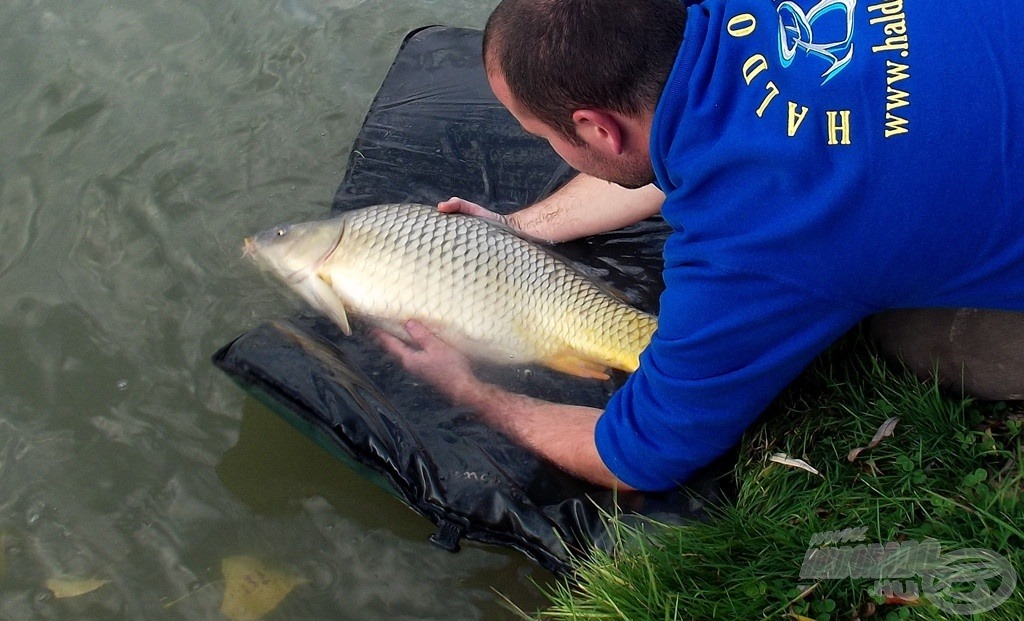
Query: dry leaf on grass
x=63, y=588
x=884, y=431
x=786, y=460
x=900, y=600
x=252, y=589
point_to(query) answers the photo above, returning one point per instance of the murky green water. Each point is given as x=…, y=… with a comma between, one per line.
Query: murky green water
x=141, y=141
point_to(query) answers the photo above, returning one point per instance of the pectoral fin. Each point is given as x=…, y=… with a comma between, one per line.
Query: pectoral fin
x=325, y=299
x=574, y=365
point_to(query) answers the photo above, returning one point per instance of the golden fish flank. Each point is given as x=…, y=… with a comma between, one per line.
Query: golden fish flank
x=481, y=287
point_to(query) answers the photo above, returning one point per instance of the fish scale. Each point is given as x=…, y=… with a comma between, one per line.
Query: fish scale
x=481, y=287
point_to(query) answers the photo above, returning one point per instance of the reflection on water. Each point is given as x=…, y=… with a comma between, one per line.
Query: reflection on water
x=142, y=141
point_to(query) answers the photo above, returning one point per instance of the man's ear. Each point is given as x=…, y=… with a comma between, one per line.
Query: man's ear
x=600, y=130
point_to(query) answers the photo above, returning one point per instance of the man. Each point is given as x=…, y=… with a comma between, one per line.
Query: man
x=819, y=161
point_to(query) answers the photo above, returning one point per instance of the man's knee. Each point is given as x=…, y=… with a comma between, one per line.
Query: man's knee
x=980, y=352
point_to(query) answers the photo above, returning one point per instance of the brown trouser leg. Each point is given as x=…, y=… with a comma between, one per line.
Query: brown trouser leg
x=979, y=352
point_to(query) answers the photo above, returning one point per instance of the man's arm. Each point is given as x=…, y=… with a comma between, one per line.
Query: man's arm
x=727, y=343
x=563, y=434
x=584, y=206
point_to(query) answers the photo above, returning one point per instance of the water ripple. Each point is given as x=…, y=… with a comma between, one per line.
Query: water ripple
x=142, y=141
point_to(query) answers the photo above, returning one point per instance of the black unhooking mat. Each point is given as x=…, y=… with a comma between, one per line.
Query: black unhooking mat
x=435, y=130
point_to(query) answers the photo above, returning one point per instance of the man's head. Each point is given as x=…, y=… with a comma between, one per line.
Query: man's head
x=586, y=75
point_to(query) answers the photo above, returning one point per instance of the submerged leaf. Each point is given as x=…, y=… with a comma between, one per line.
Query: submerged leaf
x=63, y=588
x=786, y=460
x=252, y=589
x=884, y=431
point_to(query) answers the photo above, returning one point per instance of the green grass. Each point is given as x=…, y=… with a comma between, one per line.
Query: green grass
x=951, y=472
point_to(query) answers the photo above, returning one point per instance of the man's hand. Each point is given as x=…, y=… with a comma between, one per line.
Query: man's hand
x=461, y=205
x=432, y=360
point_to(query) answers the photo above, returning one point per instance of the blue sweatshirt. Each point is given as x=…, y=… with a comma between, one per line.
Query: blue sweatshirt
x=822, y=161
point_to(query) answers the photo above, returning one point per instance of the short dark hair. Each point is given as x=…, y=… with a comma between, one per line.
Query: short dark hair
x=558, y=56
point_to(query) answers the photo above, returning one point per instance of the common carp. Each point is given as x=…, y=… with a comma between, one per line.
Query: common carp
x=481, y=287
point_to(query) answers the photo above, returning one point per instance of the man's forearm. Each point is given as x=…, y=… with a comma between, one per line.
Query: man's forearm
x=586, y=206
x=563, y=434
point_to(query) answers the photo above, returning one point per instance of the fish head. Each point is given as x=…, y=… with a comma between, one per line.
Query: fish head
x=294, y=252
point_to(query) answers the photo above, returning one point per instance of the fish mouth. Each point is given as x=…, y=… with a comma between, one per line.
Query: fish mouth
x=248, y=247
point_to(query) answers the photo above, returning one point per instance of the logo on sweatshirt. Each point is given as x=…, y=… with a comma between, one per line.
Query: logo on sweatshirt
x=824, y=31
x=820, y=32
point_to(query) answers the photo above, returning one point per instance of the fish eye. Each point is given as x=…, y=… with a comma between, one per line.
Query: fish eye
x=281, y=232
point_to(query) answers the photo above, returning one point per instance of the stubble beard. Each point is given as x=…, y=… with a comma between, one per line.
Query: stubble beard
x=627, y=172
